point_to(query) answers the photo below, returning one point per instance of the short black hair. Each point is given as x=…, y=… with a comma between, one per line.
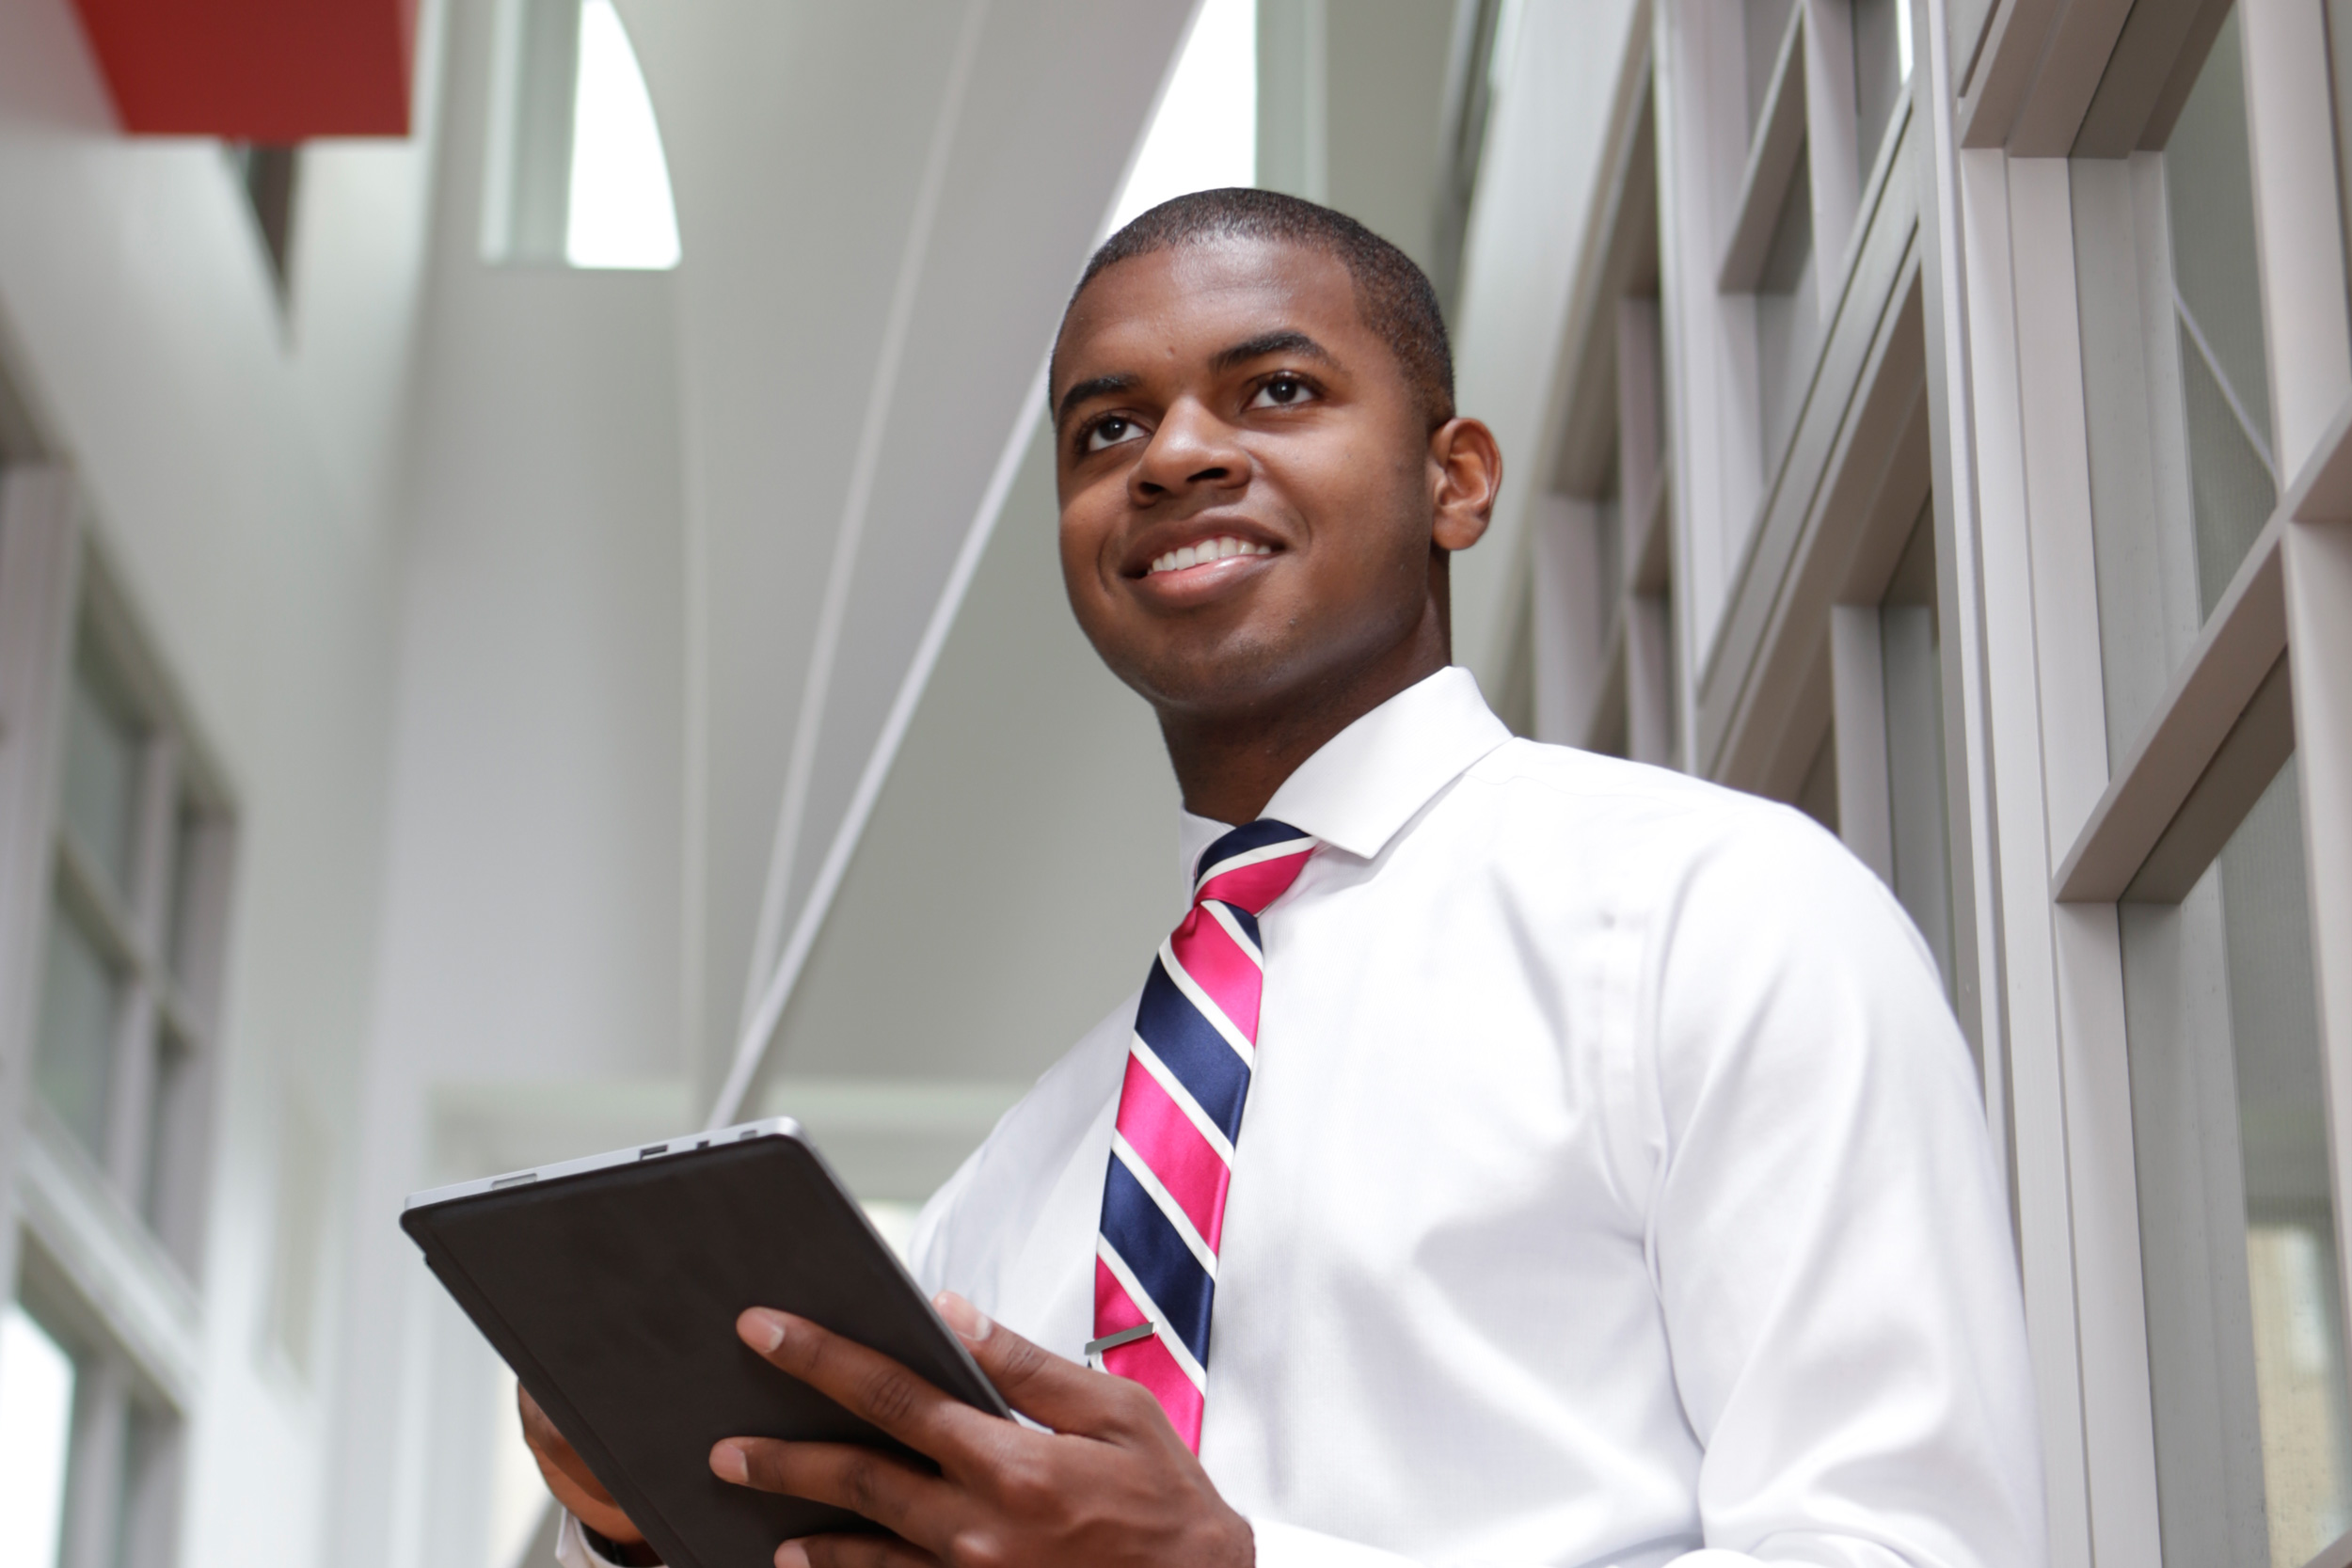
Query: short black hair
x=1392, y=295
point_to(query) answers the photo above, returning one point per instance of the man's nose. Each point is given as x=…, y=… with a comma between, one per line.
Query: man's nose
x=1192, y=447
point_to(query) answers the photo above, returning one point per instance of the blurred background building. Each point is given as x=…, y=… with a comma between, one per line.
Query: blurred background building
x=528, y=619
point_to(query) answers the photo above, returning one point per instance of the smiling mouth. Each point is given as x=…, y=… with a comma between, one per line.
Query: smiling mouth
x=1205, y=553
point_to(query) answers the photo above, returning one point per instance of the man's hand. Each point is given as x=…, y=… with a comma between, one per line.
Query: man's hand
x=574, y=1485
x=1110, y=1484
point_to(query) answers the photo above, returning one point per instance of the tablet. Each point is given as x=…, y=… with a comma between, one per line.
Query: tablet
x=611, y=1286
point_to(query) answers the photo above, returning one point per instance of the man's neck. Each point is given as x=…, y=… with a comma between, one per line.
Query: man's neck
x=1229, y=766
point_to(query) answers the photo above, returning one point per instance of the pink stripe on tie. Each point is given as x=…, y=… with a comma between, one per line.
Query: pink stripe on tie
x=1218, y=966
x=1253, y=887
x=1146, y=1361
x=1156, y=1128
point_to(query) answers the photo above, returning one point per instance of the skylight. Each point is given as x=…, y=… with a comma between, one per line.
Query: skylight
x=1205, y=135
x=620, y=212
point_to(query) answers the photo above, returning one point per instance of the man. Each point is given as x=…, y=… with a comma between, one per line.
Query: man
x=1613, y=1187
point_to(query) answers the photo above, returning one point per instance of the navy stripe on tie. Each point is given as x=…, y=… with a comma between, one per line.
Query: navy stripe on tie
x=1180, y=1287
x=1199, y=1056
x=1252, y=835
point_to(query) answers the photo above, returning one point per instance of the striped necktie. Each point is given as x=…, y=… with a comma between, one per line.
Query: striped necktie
x=1188, y=1069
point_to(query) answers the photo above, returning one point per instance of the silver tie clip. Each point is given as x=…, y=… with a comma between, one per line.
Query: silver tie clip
x=1096, y=1348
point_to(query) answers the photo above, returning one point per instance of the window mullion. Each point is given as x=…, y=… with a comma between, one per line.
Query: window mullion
x=1858, y=708
x=2291, y=128
x=137, y=1040
x=2318, y=595
x=94, y=1473
x=2208, y=694
x=40, y=567
x=1831, y=136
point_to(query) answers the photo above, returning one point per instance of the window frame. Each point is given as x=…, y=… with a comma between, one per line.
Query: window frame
x=122, y=1291
x=2072, y=824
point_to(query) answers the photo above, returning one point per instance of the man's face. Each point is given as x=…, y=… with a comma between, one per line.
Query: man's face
x=1247, y=486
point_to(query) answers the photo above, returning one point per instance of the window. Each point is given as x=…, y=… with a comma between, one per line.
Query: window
x=1470, y=86
x=1910, y=659
x=1879, y=784
x=99, y=1445
x=2238, y=1220
x=37, y=1378
x=1204, y=135
x=2237, y=1209
x=121, y=1041
x=2008, y=475
x=1881, y=68
x=576, y=171
x=1822, y=82
x=123, y=903
x=1804, y=658
x=1601, y=613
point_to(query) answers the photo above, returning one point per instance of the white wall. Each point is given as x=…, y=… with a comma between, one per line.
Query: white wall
x=535, y=823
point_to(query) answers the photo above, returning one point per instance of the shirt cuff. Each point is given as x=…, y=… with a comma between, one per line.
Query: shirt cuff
x=572, y=1549
x=1280, y=1546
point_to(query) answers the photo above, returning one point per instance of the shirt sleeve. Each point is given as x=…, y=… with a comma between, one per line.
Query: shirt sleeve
x=1828, y=1232
x=1280, y=1546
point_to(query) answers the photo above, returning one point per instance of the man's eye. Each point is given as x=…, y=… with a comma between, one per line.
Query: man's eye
x=1111, y=432
x=1283, y=391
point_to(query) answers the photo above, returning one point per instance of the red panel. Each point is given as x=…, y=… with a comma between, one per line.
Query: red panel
x=263, y=71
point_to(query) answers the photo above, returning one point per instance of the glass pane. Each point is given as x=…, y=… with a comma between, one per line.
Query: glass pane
x=1909, y=651
x=74, y=1062
x=620, y=212
x=36, y=1436
x=2225, y=394
x=145, y=1517
x=2237, y=1219
x=1608, y=529
x=1882, y=64
x=1767, y=20
x=101, y=769
x=186, y=843
x=1817, y=796
x=1787, y=316
x=2231, y=493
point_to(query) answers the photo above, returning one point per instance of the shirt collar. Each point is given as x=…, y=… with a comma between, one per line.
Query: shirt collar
x=1367, y=781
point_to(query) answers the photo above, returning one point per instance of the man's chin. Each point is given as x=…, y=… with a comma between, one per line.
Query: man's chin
x=1236, y=680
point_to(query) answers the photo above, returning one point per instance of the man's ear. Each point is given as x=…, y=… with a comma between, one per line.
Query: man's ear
x=1469, y=468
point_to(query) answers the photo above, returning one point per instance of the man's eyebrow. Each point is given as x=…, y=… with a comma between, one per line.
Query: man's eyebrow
x=1096, y=386
x=1286, y=341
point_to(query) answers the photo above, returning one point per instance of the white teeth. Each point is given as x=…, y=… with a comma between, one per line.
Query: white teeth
x=1207, y=550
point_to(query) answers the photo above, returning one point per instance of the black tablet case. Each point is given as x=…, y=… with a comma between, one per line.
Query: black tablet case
x=613, y=1295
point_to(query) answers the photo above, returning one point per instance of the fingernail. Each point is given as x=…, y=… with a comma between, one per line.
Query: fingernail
x=761, y=1329
x=792, y=1555
x=728, y=1463
x=965, y=1318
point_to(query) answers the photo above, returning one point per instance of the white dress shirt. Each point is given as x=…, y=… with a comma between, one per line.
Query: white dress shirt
x=1613, y=1189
